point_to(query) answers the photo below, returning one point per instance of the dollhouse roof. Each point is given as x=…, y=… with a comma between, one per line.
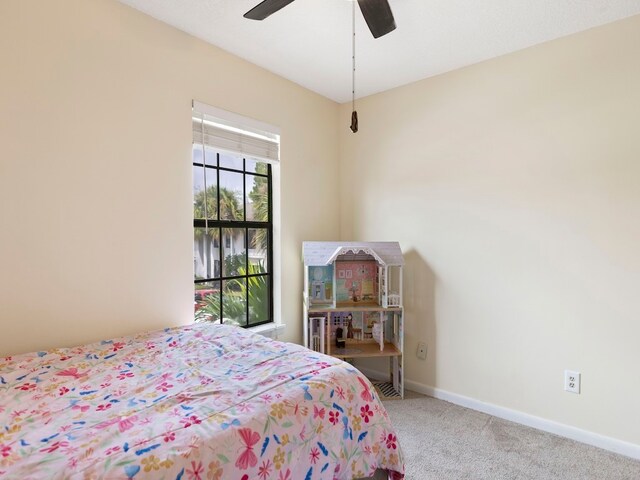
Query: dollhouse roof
x=324, y=253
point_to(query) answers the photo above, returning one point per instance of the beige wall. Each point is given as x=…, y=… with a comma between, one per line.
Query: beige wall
x=514, y=189
x=95, y=175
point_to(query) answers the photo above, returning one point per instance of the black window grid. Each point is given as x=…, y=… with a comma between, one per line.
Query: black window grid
x=243, y=225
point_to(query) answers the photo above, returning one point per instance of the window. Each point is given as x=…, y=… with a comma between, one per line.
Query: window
x=233, y=227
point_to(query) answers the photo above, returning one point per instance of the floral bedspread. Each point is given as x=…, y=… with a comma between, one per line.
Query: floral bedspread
x=197, y=402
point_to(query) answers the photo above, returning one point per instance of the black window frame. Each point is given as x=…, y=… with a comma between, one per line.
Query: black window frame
x=245, y=225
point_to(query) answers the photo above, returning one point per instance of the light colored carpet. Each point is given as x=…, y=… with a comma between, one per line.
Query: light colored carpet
x=444, y=441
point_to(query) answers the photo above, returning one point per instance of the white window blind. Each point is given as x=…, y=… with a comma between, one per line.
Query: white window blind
x=234, y=133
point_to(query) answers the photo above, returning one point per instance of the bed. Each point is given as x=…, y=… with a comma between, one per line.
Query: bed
x=197, y=402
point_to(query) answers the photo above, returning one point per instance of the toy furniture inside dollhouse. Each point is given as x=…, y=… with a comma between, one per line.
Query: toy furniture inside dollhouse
x=353, y=302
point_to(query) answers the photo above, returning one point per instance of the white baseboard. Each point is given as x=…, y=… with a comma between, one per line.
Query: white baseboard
x=590, y=438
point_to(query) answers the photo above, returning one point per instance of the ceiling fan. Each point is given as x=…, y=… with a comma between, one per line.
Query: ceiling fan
x=377, y=14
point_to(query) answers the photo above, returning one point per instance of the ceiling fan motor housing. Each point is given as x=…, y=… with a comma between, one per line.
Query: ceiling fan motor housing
x=377, y=14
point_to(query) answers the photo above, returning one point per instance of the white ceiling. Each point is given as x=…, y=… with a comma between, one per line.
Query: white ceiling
x=309, y=41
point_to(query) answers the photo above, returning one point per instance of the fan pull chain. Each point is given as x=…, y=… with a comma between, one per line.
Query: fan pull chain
x=354, y=114
x=353, y=56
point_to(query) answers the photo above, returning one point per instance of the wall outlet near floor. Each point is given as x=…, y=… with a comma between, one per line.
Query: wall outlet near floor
x=421, y=351
x=572, y=381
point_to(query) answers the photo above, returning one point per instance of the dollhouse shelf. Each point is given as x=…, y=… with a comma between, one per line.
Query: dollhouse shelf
x=361, y=350
x=354, y=307
x=352, y=304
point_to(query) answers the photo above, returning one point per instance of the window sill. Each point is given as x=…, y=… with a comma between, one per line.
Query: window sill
x=271, y=330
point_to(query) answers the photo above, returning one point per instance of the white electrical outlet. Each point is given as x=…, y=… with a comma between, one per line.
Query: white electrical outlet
x=421, y=352
x=572, y=381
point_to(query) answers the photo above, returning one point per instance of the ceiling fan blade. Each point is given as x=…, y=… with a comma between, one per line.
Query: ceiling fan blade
x=266, y=8
x=378, y=15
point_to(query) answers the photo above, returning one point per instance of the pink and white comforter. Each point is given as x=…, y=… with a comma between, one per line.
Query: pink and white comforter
x=196, y=402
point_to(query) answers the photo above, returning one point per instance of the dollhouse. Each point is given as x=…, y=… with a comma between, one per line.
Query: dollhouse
x=353, y=304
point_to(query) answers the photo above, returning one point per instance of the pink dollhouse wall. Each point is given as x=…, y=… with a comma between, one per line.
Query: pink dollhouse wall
x=357, y=281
